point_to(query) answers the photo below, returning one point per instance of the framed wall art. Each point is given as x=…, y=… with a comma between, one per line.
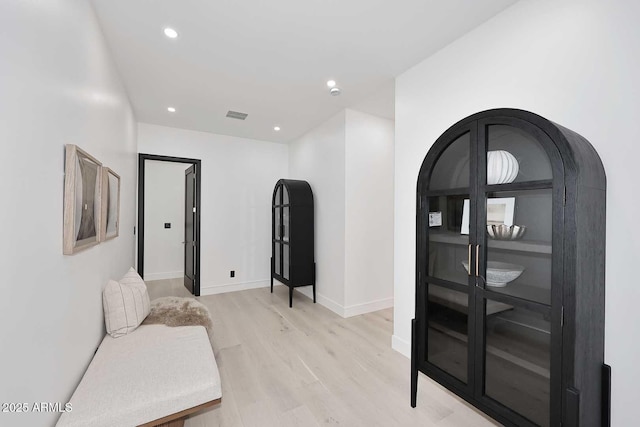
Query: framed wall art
x=110, y=222
x=500, y=210
x=82, y=200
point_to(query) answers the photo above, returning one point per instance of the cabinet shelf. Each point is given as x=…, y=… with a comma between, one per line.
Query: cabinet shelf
x=531, y=246
x=503, y=352
x=458, y=301
x=520, y=186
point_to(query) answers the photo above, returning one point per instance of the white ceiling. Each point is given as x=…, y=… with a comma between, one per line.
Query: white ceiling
x=272, y=58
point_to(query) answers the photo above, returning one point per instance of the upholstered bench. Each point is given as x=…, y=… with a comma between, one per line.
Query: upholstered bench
x=155, y=375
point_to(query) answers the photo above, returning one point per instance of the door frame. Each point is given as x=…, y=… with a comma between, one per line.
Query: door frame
x=142, y=157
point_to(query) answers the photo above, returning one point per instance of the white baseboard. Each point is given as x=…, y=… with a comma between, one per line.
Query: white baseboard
x=350, y=311
x=401, y=346
x=163, y=276
x=339, y=309
x=367, y=307
x=233, y=287
x=307, y=291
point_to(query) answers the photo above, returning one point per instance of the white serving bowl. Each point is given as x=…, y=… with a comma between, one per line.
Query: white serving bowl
x=500, y=273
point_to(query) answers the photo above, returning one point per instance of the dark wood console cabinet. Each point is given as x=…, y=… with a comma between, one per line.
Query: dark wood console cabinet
x=292, y=247
x=515, y=327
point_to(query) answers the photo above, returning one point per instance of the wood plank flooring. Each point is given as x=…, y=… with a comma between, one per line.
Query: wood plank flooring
x=306, y=366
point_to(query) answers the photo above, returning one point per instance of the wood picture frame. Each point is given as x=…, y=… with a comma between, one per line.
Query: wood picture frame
x=110, y=205
x=82, y=200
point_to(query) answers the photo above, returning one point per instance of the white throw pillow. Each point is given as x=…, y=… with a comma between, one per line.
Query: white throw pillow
x=126, y=304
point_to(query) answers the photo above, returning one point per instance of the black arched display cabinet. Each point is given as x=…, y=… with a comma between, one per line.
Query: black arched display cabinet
x=510, y=270
x=292, y=247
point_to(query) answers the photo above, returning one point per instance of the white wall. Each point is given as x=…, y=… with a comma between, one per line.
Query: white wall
x=368, y=213
x=318, y=157
x=58, y=86
x=575, y=63
x=348, y=161
x=164, y=195
x=238, y=176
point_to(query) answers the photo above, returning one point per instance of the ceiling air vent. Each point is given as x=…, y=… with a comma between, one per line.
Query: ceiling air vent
x=236, y=115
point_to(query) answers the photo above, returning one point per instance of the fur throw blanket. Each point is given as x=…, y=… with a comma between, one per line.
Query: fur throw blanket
x=175, y=311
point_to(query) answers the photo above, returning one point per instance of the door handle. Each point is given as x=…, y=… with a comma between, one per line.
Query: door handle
x=477, y=260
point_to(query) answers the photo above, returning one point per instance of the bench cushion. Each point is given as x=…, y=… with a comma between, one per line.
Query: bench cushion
x=148, y=374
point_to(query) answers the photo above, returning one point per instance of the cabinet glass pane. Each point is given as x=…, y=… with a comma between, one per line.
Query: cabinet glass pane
x=285, y=261
x=447, y=330
x=276, y=220
x=514, y=155
x=285, y=195
x=448, y=247
x=278, y=200
x=285, y=223
x=451, y=170
x=520, y=267
x=277, y=249
x=517, y=362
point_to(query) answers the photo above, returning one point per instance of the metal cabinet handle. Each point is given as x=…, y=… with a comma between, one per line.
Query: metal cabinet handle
x=477, y=260
x=469, y=261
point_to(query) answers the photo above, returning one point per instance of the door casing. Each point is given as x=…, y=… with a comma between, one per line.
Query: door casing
x=142, y=157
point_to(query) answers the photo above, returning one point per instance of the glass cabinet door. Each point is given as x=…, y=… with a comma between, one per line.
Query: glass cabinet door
x=285, y=261
x=447, y=281
x=285, y=223
x=515, y=230
x=277, y=220
x=278, y=256
x=279, y=229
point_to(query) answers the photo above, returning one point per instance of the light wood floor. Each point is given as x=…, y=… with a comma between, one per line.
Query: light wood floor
x=306, y=366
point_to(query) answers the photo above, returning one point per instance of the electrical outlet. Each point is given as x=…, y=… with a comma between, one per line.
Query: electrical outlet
x=232, y=273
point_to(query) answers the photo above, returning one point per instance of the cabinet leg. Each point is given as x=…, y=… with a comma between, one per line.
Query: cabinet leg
x=290, y=296
x=271, y=274
x=414, y=365
x=314, y=293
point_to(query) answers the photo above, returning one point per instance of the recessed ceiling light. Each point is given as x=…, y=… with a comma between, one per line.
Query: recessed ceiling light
x=331, y=83
x=170, y=32
x=276, y=128
x=171, y=109
x=335, y=91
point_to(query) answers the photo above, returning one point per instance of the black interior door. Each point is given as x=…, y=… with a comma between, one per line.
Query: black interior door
x=190, y=244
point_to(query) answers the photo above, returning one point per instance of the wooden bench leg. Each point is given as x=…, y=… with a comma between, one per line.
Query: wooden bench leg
x=174, y=423
x=177, y=419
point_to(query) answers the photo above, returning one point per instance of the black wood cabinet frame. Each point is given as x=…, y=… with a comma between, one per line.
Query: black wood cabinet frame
x=292, y=231
x=576, y=309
